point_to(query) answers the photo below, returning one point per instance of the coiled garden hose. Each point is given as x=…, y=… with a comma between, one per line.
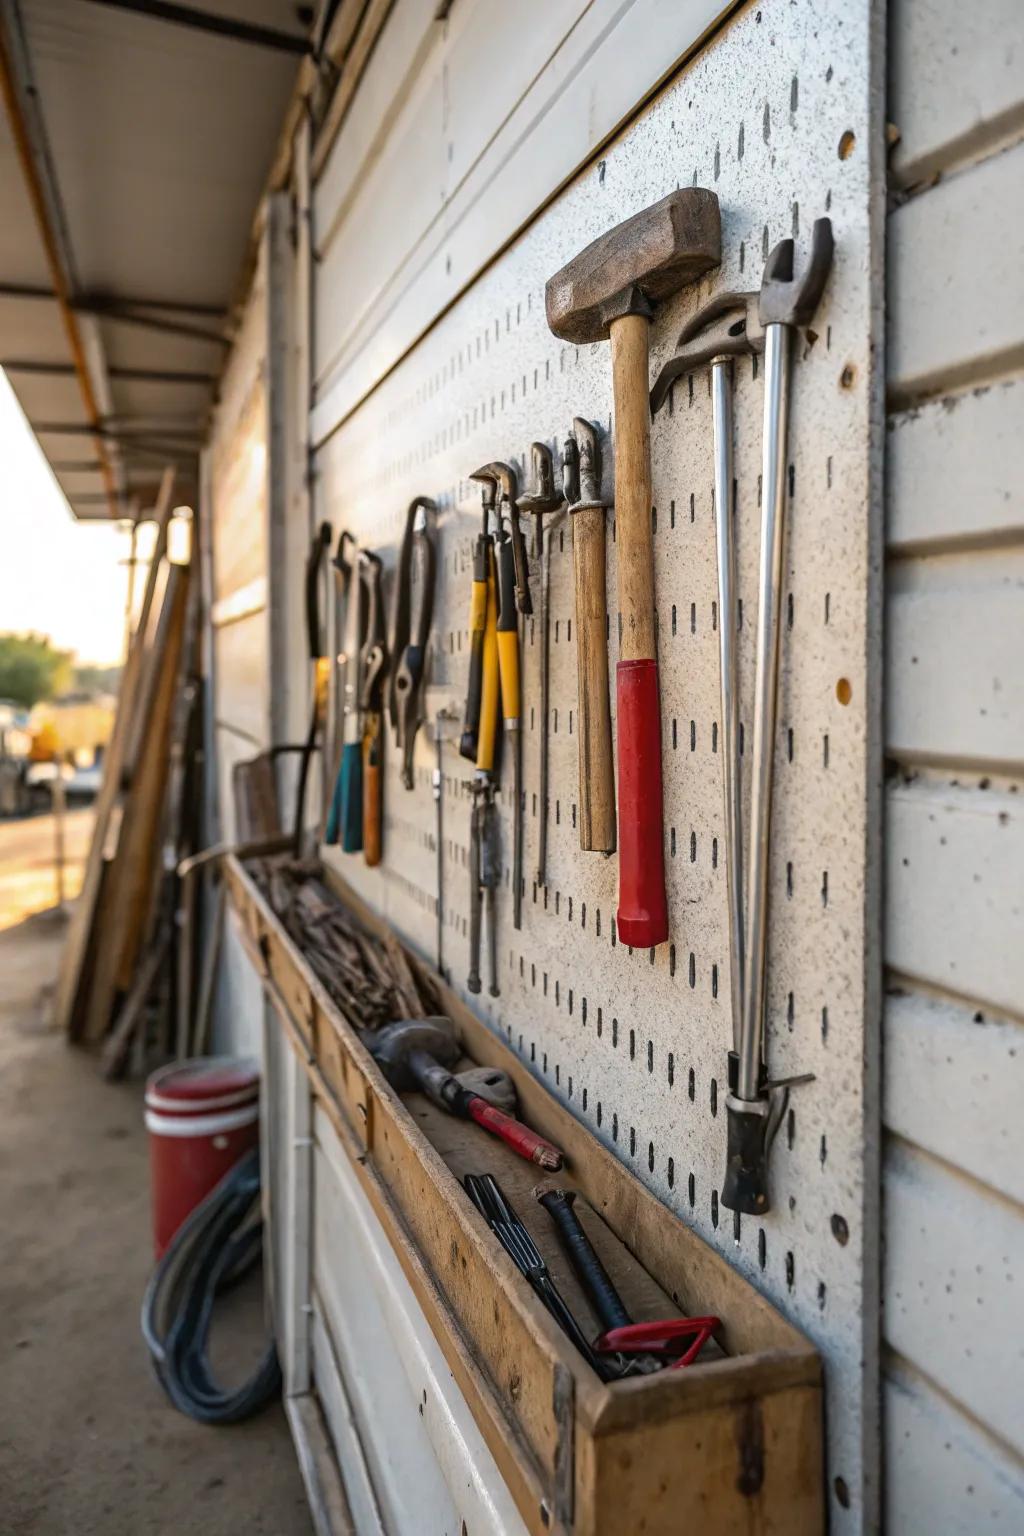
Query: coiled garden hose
x=218, y=1243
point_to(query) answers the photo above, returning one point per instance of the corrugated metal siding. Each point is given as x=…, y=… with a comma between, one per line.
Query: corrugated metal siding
x=953, y=1039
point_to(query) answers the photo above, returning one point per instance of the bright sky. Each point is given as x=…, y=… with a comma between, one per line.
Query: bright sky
x=58, y=577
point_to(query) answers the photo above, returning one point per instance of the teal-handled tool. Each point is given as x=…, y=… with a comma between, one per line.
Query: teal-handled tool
x=345, y=817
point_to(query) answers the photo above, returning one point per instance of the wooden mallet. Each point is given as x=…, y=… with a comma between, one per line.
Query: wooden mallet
x=609, y=291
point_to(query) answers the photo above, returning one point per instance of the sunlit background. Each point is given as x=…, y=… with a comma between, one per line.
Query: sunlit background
x=60, y=578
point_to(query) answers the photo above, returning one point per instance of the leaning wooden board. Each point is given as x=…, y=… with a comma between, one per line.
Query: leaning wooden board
x=728, y=1445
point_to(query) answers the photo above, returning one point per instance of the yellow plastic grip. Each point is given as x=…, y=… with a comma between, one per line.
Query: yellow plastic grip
x=508, y=666
x=478, y=605
x=489, y=690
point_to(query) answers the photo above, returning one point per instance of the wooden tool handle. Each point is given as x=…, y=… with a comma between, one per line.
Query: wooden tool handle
x=373, y=797
x=634, y=544
x=597, y=777
x=643, y=913
x=535, y=1149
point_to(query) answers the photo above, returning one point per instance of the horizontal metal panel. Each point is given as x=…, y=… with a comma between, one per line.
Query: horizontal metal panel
x=956, y=80
x=954, y=298
x=238, y=1000
x=955, y=889
x=344, y=1431
x=615, y=55
x=240, y=604
x=943, y=1475
x=954, y=1084
x=241, y=661
x=430, y=1465
x=954, y=649
x=955, y=468
x=951, y=1286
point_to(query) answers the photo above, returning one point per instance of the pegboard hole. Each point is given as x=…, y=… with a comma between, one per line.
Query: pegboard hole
x=844, y=692
x=847, y=144
x=848, y=377
x=840, y=1230
x=842, y=1492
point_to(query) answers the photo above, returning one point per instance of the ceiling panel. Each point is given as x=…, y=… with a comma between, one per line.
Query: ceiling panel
x=31, y=328
x=48, y=397
x=162, y=137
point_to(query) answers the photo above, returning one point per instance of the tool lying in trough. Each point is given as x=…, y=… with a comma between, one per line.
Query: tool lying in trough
x=671, y=1341
x=368, y=977
x=418, y=1054
x=609, y=292
x=412, y=614
x=487, y=1195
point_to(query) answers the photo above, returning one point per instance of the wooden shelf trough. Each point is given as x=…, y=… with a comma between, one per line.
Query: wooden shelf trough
x=730, y=1444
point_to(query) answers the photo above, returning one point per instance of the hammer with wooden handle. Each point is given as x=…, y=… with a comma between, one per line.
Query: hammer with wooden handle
x=610, y=291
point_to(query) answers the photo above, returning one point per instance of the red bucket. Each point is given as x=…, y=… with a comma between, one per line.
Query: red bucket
x=202, y=1116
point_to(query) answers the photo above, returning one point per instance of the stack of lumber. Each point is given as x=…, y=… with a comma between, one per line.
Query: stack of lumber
x=119, y=942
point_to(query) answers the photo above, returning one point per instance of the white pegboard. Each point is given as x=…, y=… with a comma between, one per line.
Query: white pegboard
x=635, y=1042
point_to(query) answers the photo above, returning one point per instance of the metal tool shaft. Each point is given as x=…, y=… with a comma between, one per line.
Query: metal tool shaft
x=721, y=396
x=437, y=785
x=773, y=494
x=475, y=897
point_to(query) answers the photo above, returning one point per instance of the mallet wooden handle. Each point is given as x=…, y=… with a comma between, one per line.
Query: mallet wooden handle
x=597, y=777
x=373, y=794
x=643, y=911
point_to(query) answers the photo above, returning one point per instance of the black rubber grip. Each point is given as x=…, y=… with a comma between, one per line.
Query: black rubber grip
x=471, y=719
x=506, y=585
x=590, y=1272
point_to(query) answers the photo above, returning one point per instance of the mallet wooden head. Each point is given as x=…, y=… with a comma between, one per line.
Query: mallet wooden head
x=630, y=269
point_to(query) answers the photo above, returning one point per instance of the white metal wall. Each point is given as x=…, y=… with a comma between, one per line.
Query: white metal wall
x=777, y=114
x=237, y=482
x=953, y=1041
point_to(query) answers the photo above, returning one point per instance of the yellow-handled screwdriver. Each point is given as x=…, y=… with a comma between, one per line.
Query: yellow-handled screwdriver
x=484, y=852
x=511, y=702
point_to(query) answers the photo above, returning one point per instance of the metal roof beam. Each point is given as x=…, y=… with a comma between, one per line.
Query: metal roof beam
x=97, y=302
x=22, y=105
x=134, y=375
x=219, y=26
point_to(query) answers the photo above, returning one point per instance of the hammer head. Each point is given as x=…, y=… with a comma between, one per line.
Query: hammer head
x=391, y=1046
x=635, y=265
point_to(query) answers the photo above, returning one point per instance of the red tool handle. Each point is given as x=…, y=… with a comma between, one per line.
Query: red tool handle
x=660, y=1338
x=643, y=910
x=515, y=1134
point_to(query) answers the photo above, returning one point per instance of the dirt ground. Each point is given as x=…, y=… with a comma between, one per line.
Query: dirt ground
x=28, y=875
x=88, y=1443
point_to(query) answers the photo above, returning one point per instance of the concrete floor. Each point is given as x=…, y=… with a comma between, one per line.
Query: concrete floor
x=88, y=1443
